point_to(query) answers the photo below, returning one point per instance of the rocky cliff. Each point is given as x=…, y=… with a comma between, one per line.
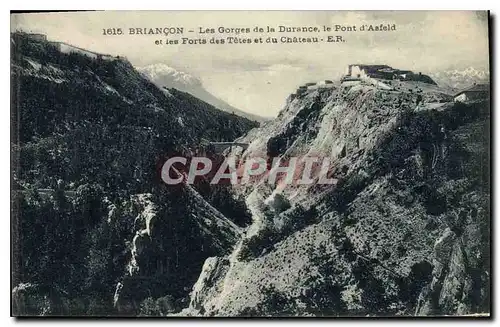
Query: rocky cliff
x=404, y=231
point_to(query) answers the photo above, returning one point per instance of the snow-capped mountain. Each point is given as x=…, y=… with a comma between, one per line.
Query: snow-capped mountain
x=459, y=79
x=165, y=76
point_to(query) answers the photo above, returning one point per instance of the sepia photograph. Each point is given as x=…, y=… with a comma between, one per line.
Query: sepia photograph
x=261, y=164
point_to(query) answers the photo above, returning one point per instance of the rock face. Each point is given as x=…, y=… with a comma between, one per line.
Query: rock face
x=404, y=231
x=163, y=261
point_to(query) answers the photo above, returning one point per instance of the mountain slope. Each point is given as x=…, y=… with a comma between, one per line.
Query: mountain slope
x=404, y=231
x=165, y=76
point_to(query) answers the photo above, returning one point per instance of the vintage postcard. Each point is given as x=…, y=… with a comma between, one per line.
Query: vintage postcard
x=250, y=163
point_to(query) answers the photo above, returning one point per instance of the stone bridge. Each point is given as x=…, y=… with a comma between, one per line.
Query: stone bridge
x=219, y=147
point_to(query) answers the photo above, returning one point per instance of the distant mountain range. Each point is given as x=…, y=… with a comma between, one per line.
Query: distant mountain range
x=460, y=79
x=165, y=76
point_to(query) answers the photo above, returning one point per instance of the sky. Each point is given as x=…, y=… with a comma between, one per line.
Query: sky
x=257, y=78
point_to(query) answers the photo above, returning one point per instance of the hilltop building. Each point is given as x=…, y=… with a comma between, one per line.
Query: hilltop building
x=362, y=72
x=68, y=48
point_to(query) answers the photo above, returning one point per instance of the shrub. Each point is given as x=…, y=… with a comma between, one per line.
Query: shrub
x=149, y=307
x=253, y=246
